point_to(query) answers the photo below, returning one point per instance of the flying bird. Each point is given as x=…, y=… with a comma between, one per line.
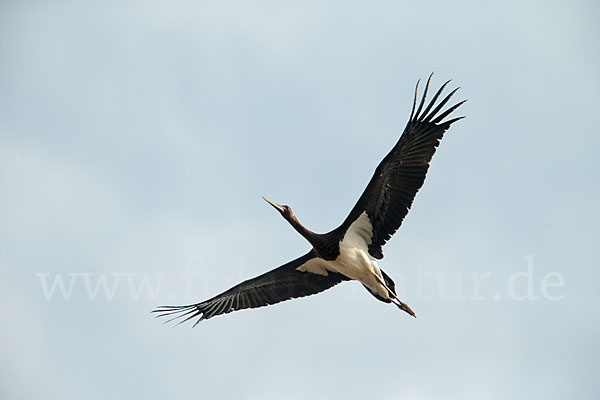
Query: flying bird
x=350, y=251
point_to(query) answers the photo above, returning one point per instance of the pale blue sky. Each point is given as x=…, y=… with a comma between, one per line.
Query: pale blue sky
x=136, y=141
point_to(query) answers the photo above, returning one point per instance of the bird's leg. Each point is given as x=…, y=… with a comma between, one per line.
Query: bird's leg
x=402, y=305
x=399, y=303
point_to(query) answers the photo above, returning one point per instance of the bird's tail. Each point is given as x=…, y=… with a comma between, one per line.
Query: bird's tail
x=389, y=283
x=392, y=297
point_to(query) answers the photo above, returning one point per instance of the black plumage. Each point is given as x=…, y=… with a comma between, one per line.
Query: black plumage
x=400, y=175
x=385, y=201
x=282, y=283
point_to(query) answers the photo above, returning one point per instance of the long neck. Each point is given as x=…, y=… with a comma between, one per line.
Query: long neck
x=311, y=236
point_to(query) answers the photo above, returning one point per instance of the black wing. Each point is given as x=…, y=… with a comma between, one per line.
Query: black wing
x=400, y=175
x=282, y=283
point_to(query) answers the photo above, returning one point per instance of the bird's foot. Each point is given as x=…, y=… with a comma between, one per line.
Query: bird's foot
x=403, y=306
x=399, y=303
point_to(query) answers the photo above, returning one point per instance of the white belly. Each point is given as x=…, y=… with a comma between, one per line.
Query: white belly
x=357, y=264
x=354, y=260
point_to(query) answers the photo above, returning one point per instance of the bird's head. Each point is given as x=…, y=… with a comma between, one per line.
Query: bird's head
x=285, y=211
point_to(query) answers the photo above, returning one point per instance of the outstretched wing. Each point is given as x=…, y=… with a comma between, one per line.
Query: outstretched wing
x=400, y=175
x=282, y=283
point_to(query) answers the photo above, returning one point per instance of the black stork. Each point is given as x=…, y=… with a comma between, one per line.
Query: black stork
x=350, y=251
